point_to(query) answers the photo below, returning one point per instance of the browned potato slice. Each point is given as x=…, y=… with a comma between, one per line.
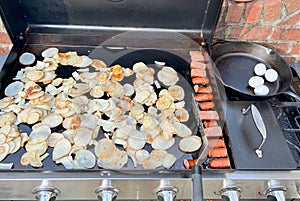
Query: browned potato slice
x=176, y=92
x=2, y=138
x=190, y=143
x=105, y=148
x=6, y=129
x=4, y=102
x=98, y=64
x=141, y=156
x=155, y=160
x=54, y=138
x=182, y=129
x=83, y=136
x=40, y=146
x=61, y=149
x=169, y=161
x=160, y=143
x=52, y=120
x=4, y=150
x=17, y=142
x=182, y=115
x=85, y=159
x=8, y=117
x=35, y=75
x=97, y=92
x=118, y=165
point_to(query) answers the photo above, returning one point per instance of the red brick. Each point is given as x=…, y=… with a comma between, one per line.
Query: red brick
x=290, y=20
x=253, y=12
x=4, y=39
x=258, y=33
x=292, y=5
x=286, y=34
x=289, y=59
x=280, y=48
x=295, y=49
x=238, y=31
x=4, y=50
x=234, y=13
x=272, y=10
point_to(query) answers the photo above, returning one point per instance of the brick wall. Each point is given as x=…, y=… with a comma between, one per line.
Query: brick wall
x=5, y=42
x=273, y=23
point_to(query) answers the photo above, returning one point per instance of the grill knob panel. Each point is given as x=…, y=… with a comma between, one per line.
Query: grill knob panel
x=165, y=191
x=45, y=193
x=231, y=193
x=107, y=191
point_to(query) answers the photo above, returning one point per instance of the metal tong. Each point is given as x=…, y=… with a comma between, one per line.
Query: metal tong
x=258, y=120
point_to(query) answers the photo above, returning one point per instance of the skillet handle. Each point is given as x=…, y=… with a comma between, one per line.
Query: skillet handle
x=197, y=183
x=292, y=93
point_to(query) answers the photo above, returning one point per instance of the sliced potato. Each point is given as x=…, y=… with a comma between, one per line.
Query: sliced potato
x=83, y=136
x=85, y=159
x=190, y=143
x=4, y=150
x=61, y=149
x=52, y=120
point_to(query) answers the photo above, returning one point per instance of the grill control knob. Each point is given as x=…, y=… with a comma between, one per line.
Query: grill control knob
x=232, y=193
x=45, y=193
x=107, y=191
x=275, y=191
x=165, y=191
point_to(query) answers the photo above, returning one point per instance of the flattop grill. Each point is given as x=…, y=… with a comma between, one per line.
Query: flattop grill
x=107, y=30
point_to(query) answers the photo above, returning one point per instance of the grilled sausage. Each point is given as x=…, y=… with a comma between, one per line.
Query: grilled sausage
x=215, y=143
x=198, y=65
x=218, y=152
x=203, y=90
x=208, y=115
x=188, y=164
x=195, y=72
x=213, y=132
x=206, y=105
x=197, y=56
x=204, y=97
x=219, y=163
x=200, y=80
x=212, y=123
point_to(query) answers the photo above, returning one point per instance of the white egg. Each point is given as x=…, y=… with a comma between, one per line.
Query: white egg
x=271, y=75
x=260, y=69
x=255, y=81
x=27, y=58
x=261, y=90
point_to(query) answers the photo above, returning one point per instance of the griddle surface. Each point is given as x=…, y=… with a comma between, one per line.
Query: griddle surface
x=245, y=138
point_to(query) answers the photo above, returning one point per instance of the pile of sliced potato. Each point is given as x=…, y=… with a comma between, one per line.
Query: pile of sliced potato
x=130, y=115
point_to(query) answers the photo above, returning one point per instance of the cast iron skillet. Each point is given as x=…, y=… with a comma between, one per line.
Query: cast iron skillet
x=235, y=63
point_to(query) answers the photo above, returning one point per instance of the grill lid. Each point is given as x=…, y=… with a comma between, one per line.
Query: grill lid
x=195, y=16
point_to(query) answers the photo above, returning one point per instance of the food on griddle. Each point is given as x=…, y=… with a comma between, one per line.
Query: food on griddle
x=211, y=123
x=271, y=75
x=261, y=90
x=204, y=97
x=190, y=143
x=207, y=105
x=203, y=90
x=260, y=69
x=13, y=88
x=213, y=132
x=168, y=76
x=197, y=56
x=219, y=163
x=50, y=52
x=200, y=80
x=218, y=152
x=198, y=72
x=27, y=58
x=209, y=115
x=255, y=81
x=130, y=116
x=216, y=143
x=198, y=65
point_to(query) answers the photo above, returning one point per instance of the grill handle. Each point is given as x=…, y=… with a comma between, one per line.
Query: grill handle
x=197, y=183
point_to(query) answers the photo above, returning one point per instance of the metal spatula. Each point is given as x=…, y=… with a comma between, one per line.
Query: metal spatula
x=259, y=122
